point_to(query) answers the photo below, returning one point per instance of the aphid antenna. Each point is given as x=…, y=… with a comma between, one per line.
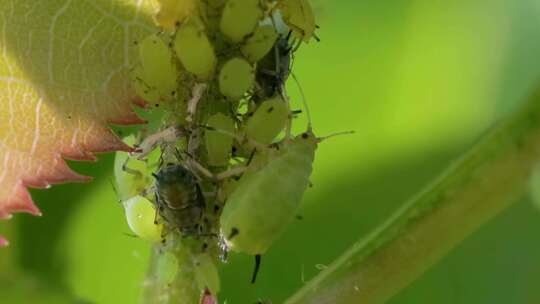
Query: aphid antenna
x=131, y=235
x=319, y=139
x=214, y=177
x=304, y=101
x=115, y=190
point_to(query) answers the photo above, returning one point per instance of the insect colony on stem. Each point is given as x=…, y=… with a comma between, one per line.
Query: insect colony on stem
x=215, y=172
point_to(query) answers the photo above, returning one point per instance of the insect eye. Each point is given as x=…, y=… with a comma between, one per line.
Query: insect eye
x=305, y=136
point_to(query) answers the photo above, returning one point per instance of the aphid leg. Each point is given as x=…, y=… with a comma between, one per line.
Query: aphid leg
x=238, y=138
x=291, y=47
x=157, y=207
x=168, y=135
x=303, y=33
x=295, y=113
x=128, y=170
x=304, y=101
x=288, y=125
x=130, y=235
x=256, y=270
x=230, y=173
x=251, y=155
x=196, y=96
x=297, y=44
x=212, y=176
x=115, y=190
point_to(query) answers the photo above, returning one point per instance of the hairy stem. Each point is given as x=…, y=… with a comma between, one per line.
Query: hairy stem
x=485, y=181
x=170, y=277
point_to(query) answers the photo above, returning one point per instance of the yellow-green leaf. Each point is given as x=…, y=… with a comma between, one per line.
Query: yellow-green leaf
x=63, y=77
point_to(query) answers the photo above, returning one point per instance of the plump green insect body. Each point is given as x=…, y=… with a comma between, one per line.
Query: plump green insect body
x=258, y=45
x=268, y=120
x=219, y=145
x=263, y=204
x=158, y=70
x=131, y=175
x=140, y=216
x=240, y=18
x=172, y=12
x=298, y=15
x=235, y=78
x=129, y=183
x=132, y=178
x=194, y=50
x=206, y=273
x=179, y=199
x=144, y=90
x=167, y=267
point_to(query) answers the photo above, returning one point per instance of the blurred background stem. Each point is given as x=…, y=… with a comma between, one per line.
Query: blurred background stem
x=489, y=178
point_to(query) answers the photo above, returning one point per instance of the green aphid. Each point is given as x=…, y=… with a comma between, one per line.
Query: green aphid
x=219, y=145
x=239, y=18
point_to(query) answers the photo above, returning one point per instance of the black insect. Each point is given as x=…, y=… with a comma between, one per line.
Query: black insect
x=274, y=68
x=179, y=199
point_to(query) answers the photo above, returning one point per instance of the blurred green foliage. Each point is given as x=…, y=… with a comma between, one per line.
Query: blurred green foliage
x=418, y=81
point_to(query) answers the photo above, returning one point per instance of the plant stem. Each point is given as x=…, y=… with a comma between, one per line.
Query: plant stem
x=170, y=277
x=486, y=180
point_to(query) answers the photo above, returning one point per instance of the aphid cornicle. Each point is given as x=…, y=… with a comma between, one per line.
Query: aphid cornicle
x=179, y=199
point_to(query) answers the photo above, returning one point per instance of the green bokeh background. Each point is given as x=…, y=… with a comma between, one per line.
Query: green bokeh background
x=419, y=81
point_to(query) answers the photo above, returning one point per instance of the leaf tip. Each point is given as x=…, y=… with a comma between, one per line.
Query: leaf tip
x=3, y=242
x=207, y=297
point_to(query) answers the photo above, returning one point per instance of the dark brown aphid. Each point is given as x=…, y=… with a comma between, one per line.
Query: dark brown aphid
x=273, y=69
x=179, y=199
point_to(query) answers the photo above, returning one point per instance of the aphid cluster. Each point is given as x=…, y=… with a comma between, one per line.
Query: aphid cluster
x=223, y=178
